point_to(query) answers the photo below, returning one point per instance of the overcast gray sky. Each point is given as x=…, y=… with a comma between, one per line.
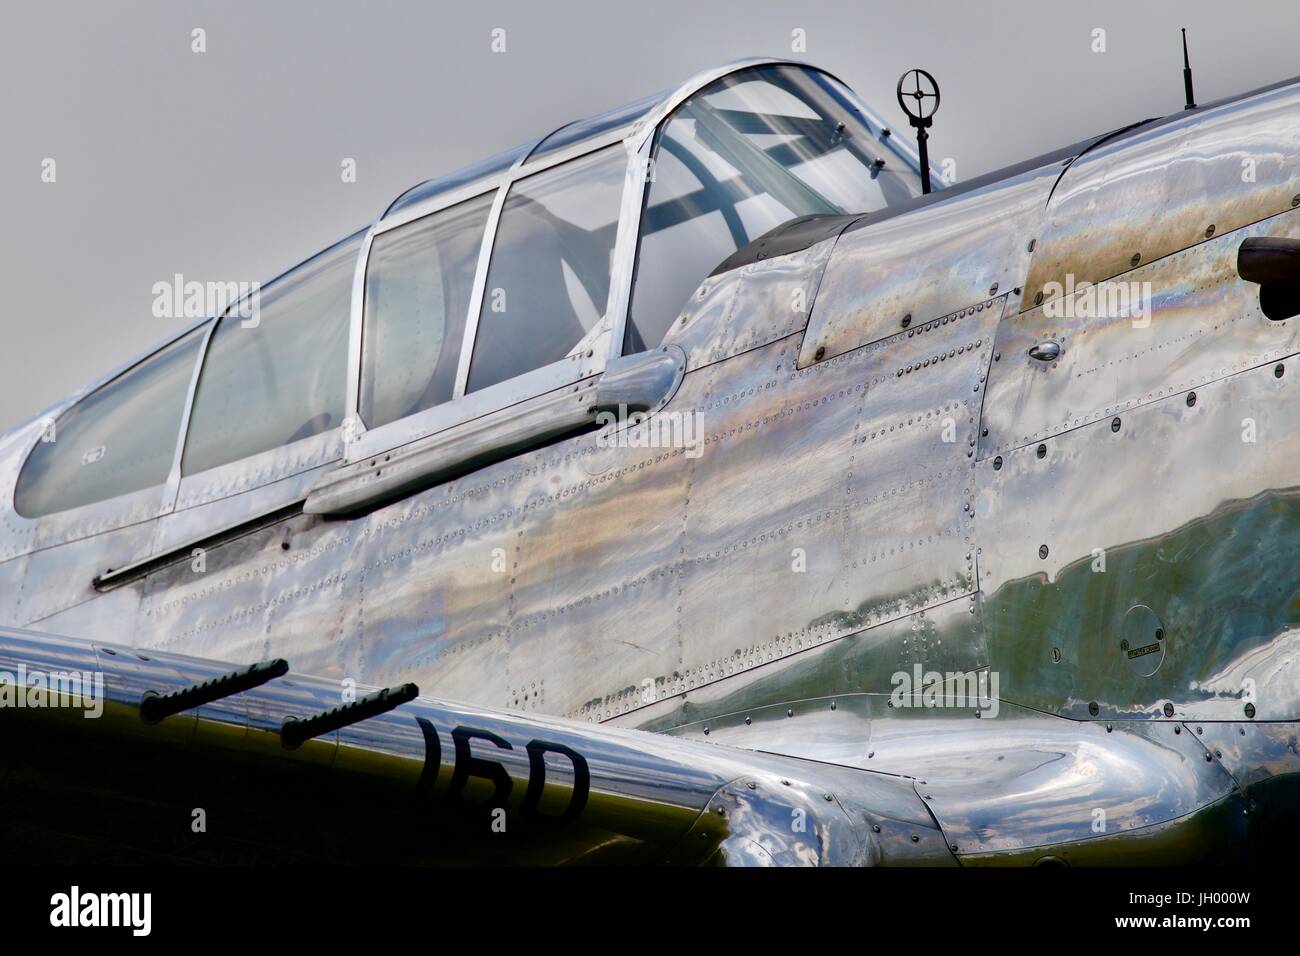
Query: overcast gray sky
x=225, y=165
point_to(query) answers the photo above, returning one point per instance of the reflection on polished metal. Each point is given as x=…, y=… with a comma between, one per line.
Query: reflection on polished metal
x=643, y=796
x=155, y=707
x=960, y=532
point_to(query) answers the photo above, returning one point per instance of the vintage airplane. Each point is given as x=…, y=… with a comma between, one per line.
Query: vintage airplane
x=691, y=486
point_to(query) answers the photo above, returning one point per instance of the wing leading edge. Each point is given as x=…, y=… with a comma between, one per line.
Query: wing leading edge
x=282, y=767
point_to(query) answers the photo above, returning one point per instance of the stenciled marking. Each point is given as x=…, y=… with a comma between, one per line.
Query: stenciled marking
x=466, y=765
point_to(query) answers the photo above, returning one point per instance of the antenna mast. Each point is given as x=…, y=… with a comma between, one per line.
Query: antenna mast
x=1187, y=75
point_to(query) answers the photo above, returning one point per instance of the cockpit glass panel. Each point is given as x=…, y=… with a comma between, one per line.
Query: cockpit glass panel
x=418, y=284
x=548, y=282
x=119, y=439
x=753, y=150
x=276, y=373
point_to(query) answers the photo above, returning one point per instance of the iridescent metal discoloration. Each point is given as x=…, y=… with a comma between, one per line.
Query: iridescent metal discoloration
x=1093, y=514
x=905, y=271
x=1203, y=324
x=1167, y=187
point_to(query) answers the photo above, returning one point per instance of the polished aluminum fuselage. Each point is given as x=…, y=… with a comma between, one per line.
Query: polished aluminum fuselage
x=889, y=483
